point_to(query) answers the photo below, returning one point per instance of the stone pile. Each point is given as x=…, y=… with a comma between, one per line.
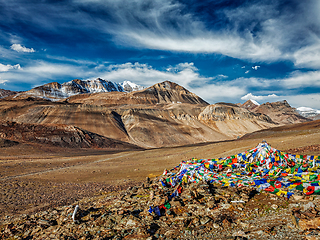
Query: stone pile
x=201, y=211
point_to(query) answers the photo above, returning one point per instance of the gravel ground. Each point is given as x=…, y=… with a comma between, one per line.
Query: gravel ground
x=201, y=211
x=28, y=196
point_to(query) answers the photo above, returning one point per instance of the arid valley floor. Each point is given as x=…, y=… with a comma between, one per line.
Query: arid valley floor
x=34, y=178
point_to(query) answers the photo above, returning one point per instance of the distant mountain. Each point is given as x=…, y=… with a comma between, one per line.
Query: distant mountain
x=165, y=114
x=169, y=92
x=161, y=93
x=56, y=91
x=280, y=112
x=233, y=120
x=250, y=105
x=317, y=117
x=309, y=112
x=5, y=93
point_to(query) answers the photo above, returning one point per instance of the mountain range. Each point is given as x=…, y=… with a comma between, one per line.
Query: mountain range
x=165, y=114
x=309, y=112
x=55, y=91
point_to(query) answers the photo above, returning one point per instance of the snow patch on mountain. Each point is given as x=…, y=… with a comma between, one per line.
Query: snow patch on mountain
x=254, y=102
x=92, y=86
x=130, y=86
x=56, y=91
x=308, y=112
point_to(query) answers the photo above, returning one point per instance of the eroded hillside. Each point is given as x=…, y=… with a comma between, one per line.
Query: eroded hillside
x=164, y=114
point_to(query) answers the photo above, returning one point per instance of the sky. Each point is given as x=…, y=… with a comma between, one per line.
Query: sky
x=222, y=50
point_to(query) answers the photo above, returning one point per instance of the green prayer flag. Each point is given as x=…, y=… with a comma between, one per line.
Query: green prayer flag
x=300, y=187
x=313, y=177
x=167, y=205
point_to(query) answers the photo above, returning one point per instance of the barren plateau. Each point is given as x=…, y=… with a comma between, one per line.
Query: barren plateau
x=34, y=177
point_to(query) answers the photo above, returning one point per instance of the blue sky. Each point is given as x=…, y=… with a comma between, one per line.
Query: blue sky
x=221, y=50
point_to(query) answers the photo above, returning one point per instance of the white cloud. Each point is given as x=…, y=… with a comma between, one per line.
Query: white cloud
x=219, y=92
x=259, y=31
x=6, y=68
x=308, y=56
x=253, y=97
x=211, y=88
x=255, y=67
x=294, y=81
x=226, y=44
x=146, y=75
x=38, y=72
x=2, y=81
x=72, y=60
x=262, y=31
x=184, y=74
x=43, y=68
x=246, y=72
x=308, y=109
x=304, y=100
x=20, y=48
x=170, y=25
x=302, y=79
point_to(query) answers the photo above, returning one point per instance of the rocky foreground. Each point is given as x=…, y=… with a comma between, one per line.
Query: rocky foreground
x=200, y=211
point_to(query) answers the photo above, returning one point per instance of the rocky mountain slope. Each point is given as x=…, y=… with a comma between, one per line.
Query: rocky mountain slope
x=144, y=125
x=58, y=135
x=5, y=93
x=233, y=120
x=55, y=91
x=280, y=112
x=249, y=105
x=161, y=93
x=317, y=117
x=130, y=86
x=307, y=112
x=169, y=92
x=164, y=114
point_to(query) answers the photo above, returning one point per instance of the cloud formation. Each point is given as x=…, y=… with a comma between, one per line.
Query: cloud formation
x=2, y=81
x=6, y=68
x=250, y=30
x=20, y=48
x=212, y=48
x=146, y=75
x=212, y=89
x=255, y=67
x=250, y=96
x=256, y=31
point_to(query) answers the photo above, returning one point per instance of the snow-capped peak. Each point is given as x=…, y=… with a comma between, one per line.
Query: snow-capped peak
x=90, y=86
x=56, y=91
x=254, y=102
x=130, y=86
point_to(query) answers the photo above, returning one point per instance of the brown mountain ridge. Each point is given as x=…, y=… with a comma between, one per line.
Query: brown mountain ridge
x=165, y=114
x=280, y=112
